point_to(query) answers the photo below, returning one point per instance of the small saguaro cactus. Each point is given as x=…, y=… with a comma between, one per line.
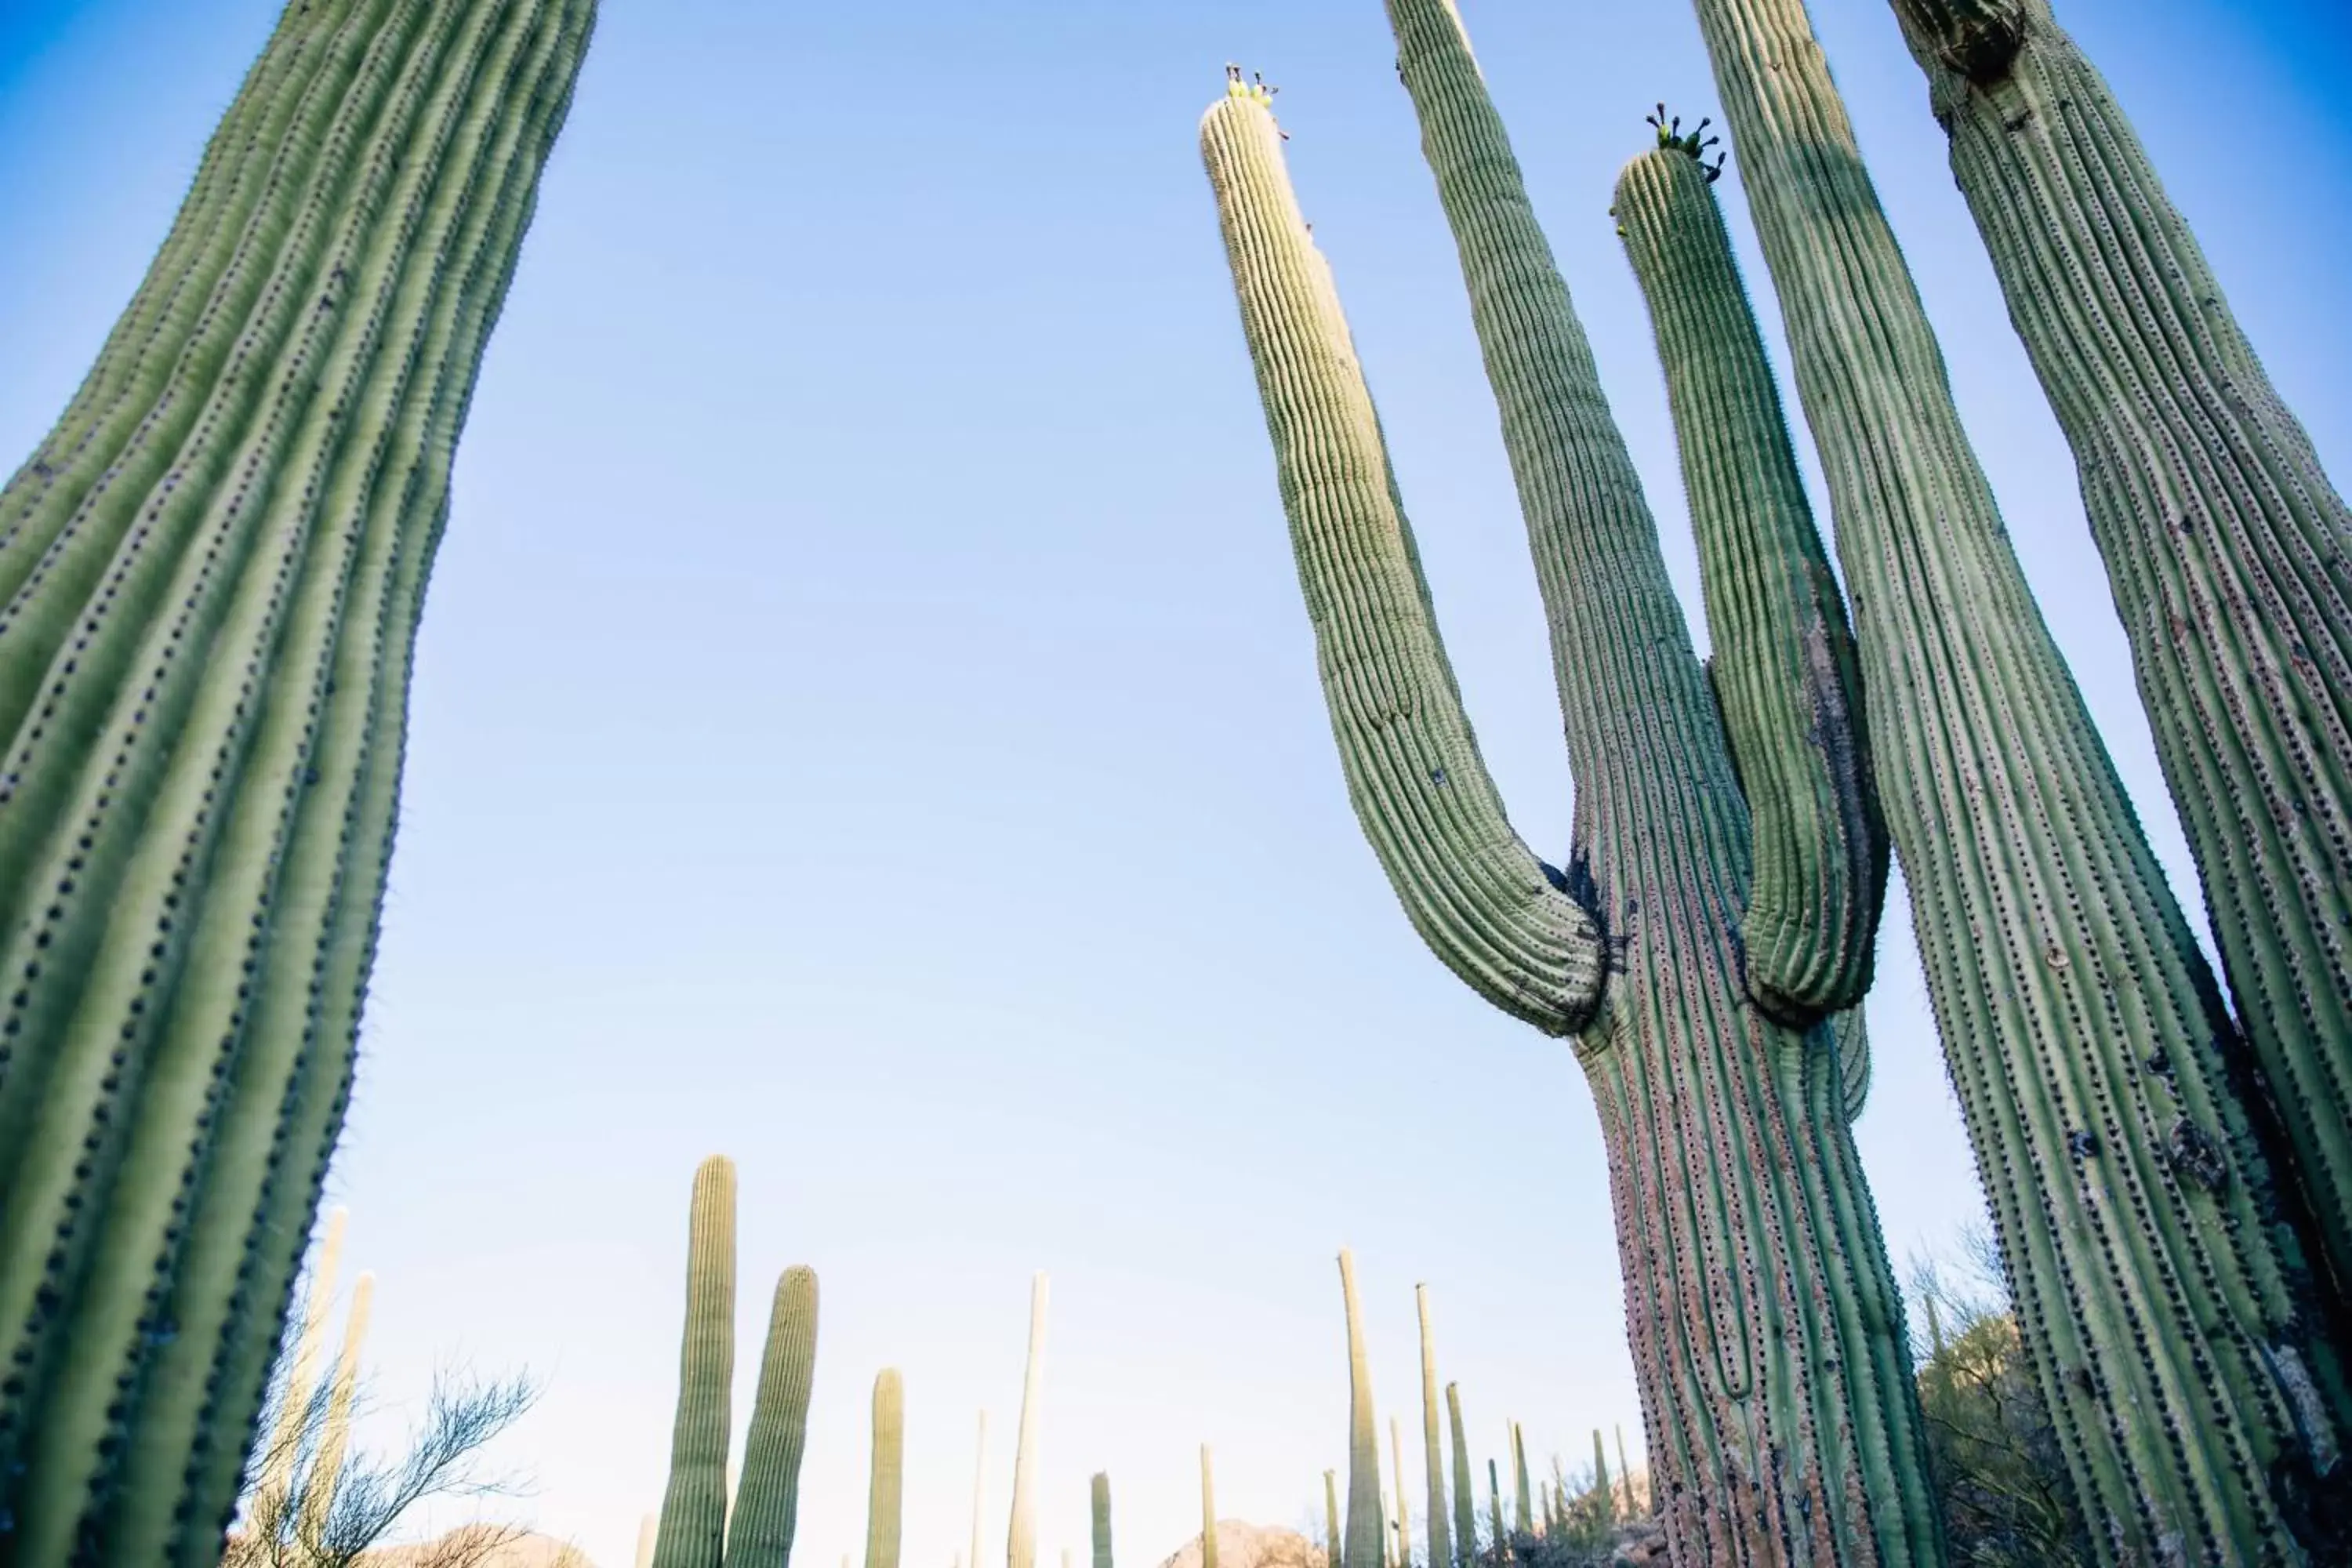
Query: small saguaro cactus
x=1102, y=1518
x=1020, y=1540
x=335, y=1432
x=1495, y=1504
x=1466, y=1498
x=1367, y=1538
x=1521, y=1496
x=276, y=1480
x=1746, y=1234
x=1403, y=1508
x=1208, y=1512
x=885, y=1482
x=1333, y=1554
x=1441, y=1545
x=211, y=574
x=2229, y=551
x=1604, y=1496
x=698, y=1529
x=2159, y=1296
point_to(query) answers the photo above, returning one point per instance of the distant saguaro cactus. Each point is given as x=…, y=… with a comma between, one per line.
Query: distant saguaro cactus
x=1020, y=1540
x=1208, y=1512
x=211, y=574
x=2099, y=1073
x=1334, y=1556
x=1403, y=1508
x=885, y=1482
x=1102, y=1518
x=1367, y=1533
x=1465, y=1499
x=698, y=1529
x=1741, y=1211
x=1604, y=1497
x=1521, y=1496
x=2229, y=550
x=1441, y=1545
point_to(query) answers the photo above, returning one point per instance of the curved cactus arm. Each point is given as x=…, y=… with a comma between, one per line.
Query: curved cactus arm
x=694, y=1508
x=1367, y=1538
x=886, y=1487
x=1512, y=927
x=1466, y=1494
x=1785, y=671
x=1851, y=1033
x=2228, y=549
x=1101, y=1489
x=767, y=1496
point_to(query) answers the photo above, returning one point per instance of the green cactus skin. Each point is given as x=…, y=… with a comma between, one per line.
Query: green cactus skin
x=886, y=1488
x=1367, y=1536
x=2229, y=551
x=1334, y=1555
x=1466, y=1501
x=694, y=1507
x=1441, y=1545
x=1521, y=1496
x=1021, y=1541
x=1851, y=1033
x=257, y=466
x=1604, y=1497
x=1495, y=1502
x=1102, y=1518
x=1208, y=1512
x=1760, y=1303
x=2095, y=1063
x=761, y=1526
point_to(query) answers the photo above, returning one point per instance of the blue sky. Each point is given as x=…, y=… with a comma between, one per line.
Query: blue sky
x=864, y=721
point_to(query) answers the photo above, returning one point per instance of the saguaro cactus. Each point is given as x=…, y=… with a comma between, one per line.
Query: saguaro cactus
x=1441, y=1545
x=698, y=1529
x=2229, y=551
x=1102, y=1518
x=1021, y=1541
x=335, y=1431
x=210, y=578
x=1208, y=1512
x=1521, y=1496
x=979, y=1487
x=1494, y=1505
x=1367, y=1534
x=1760, y=1306
x=2092, y=1058
x=1403, y=1508
x=1604, y=1496
x=276, y=1475
x=1333, y=1554
x=886, y=1483
x=1465, y=1501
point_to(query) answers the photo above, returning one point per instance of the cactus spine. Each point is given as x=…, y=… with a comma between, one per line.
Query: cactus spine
x=2226, y=545
x=698, y=1529
x=885, y=1482
x=1021, y=1542
x=1102, y=1518
x=1208, y=1512
x=1367, y=1535
x=1333, y=1556
x=1441, y=1545
x=212, y=570
x=2092, y=1055
x=1466, y=1501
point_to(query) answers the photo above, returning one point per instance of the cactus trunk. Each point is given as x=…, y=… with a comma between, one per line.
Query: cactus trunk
x=1102, y=1519
x=1403, y=1509
x=694, y=1507
x=2229, y=551
x=277, y=1470
x=979, y=1488
x=1494, y=1504
x=1465, y=1499
x=1021, y=1539
x=212, y=570
x=1604, y=1496
x=1208, y=1512
x=1367, y=1534
x=760, y=1525
x=1759, y=1299
x=1521, y=1496
x=1441, y=1545
x=1333, y=1557
x=885, y=1482
x=2095, y=1066
x=326, y=1474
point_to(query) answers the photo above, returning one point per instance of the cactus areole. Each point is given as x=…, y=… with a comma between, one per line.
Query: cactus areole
x=1762, y=1312
x=211, y=573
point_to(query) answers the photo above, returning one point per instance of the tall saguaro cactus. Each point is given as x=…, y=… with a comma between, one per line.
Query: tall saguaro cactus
x=698, y=1529
x=1465, y=1499
x=1441, y=1545
x=2095, y=1066
x=210, y=578
x=1367, y=1532
x=1102, y=1518
x=2229, y=551
x=1761, y=1310
x=1021, y=1541
x=885, y=1484
x=1208, y=1512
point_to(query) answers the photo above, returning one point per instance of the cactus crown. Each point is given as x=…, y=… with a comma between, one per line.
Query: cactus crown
x=1670, y=134
x=1254, y=87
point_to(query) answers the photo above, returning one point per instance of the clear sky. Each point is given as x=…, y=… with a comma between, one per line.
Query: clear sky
x=865, y=725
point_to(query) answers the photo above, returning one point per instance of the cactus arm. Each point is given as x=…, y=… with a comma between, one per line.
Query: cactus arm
x=2229, y=550
x=694, y=1508
x=886, y=1487
x=1101, y=1489
x=767, y=1498
x=1851, y=1033
x=1465, y=1495
x=1784, y=665
x=2087, y=1042
x=1499, y=918
x=1441, y=1545
x=1021, y=1541
x=1367, y=1534
x=1208, y=1512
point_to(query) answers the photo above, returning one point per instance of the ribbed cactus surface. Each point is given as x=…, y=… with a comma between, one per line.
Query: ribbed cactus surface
x=1760, y=1307
x=210, y=577
x=1020, y=1540
x=1101, y=1489
x=1466, y=1501
x=886, y=1479
x=2229, y=551
x=2095, y=1063
x=1208, y=1511
x=1334, y=1549
x=760, y=1525
x=1367, y=1536
x=1441, y=1541
x=694, y=1507
x=1403, y=1491
x=1522, y=1498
